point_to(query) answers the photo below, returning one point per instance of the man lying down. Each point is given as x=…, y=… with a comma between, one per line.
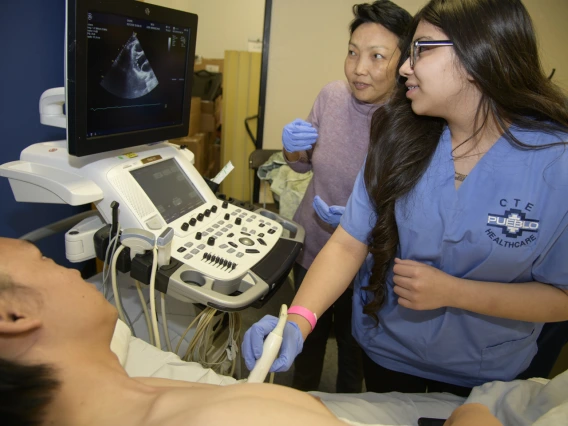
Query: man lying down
x=56, y=366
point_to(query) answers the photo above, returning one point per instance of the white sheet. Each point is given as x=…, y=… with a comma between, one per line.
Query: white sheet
x=141, y=359
x=390, y=408
x=536, y=402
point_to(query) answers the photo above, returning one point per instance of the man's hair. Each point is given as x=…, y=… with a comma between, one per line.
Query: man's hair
x=25, y=390
x=383, y=12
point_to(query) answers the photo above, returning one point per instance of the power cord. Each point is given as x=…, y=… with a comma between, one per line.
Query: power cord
x=201, y=348
x=158, y=343
x=164, y=254
x=109, y=251
x=139, y=241
x=165, y=322
x=117, y=299
x=145, y=310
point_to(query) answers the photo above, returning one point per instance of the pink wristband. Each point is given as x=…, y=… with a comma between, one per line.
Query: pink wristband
x=306, y=313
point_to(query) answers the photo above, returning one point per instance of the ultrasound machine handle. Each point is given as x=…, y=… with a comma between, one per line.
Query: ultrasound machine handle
x=190, y=284
x=51, y=108
x=34, y=182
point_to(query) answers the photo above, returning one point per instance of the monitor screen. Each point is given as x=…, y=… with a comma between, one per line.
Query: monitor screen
x=135, y=75
x=129, y=74
x=169, y=189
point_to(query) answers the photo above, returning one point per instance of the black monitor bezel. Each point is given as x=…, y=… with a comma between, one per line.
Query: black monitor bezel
x=76, y=65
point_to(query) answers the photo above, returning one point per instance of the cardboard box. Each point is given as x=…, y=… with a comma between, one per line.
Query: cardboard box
x=219, y=110
x=211, y=65
x=210, y=139
x=213, y=148
x=194, y=116
x=207, y=107
x=195, y=144
x=208, y=123
x=216, y=159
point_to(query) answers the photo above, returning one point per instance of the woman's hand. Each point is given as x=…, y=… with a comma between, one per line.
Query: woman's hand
x=299, y=135
x=422, y=287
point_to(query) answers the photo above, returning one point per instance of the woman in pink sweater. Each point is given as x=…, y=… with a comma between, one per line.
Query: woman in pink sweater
x=333, y=143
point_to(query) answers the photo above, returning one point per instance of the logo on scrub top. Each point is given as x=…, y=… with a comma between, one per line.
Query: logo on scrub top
x=513, y=223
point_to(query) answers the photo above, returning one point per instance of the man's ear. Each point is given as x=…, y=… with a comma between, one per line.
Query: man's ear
x=18, y=332
x=13, y=323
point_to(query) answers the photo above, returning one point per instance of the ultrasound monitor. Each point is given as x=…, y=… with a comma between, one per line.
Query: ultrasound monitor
x=129, y=75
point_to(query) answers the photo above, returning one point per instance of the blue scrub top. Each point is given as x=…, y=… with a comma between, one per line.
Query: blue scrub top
x=508, y=222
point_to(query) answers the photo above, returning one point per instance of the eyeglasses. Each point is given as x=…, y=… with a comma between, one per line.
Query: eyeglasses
x=418, y=47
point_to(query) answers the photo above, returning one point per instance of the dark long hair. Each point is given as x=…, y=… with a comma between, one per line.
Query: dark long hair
x=494, y=41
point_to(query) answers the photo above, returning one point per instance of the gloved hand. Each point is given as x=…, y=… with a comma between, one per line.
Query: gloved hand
x=299, y=135
x=331, y=215
x=292, y=343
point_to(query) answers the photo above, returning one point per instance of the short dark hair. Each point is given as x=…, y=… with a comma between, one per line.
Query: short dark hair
x=383, y=12
x=25, y=390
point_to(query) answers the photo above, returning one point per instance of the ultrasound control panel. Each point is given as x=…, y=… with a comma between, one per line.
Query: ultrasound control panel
x=224, y=241
x=229, y=257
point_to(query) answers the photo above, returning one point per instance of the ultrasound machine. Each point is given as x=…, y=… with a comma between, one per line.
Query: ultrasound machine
x=129, y=69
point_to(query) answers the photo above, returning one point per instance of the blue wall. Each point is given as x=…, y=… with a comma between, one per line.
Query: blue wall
x=32, y=46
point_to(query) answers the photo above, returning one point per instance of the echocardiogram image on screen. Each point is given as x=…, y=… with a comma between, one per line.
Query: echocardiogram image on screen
x=135, y=74
x=131, y=76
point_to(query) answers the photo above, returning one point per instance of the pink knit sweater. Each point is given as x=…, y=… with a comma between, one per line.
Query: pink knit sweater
x=343, y=125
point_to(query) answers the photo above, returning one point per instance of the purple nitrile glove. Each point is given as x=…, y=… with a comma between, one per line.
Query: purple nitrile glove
x=292, y=343
x=329, y=214
x=299, y=135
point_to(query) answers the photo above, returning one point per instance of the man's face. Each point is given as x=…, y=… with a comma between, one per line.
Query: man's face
x=67, y=301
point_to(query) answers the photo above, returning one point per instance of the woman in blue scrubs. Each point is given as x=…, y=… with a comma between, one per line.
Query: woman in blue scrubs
x=457, y=227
